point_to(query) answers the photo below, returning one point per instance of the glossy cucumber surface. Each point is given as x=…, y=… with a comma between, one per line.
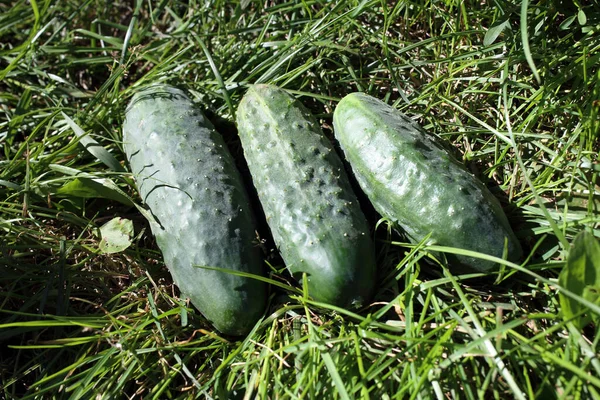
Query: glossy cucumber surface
x=418, y=185
x=188, y=179
x=310, y=207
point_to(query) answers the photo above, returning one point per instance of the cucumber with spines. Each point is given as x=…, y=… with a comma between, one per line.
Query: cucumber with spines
x=188, y=179
x=310, y=207
x=418, y=185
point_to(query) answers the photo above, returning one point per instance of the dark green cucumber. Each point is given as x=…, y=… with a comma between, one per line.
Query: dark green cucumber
x=414, y=182
x=189, y=181
x=311, y=209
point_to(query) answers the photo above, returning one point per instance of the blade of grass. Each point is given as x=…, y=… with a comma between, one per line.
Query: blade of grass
x=93, y=146
x=525, y=40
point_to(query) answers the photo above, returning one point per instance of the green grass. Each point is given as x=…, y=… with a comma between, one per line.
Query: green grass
x=514, y=87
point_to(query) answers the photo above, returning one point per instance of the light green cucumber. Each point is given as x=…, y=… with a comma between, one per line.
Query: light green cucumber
x=414, y=182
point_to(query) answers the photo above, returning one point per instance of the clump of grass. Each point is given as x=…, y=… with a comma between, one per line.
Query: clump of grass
x=514, y=88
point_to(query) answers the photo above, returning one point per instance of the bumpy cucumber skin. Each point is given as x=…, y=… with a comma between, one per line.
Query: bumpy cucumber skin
x=414, y=182
x=188, y=179
x=311, y=209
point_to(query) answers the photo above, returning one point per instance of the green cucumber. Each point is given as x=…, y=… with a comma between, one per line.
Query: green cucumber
x=417, y=184
x=188, y=179
x=310, y=207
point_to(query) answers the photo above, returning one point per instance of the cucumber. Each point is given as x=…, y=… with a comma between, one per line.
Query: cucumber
x=312, y=212
x=417, y=184
x=188, y=179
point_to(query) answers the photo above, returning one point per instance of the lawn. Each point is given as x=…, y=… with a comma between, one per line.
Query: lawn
x=512, y=87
